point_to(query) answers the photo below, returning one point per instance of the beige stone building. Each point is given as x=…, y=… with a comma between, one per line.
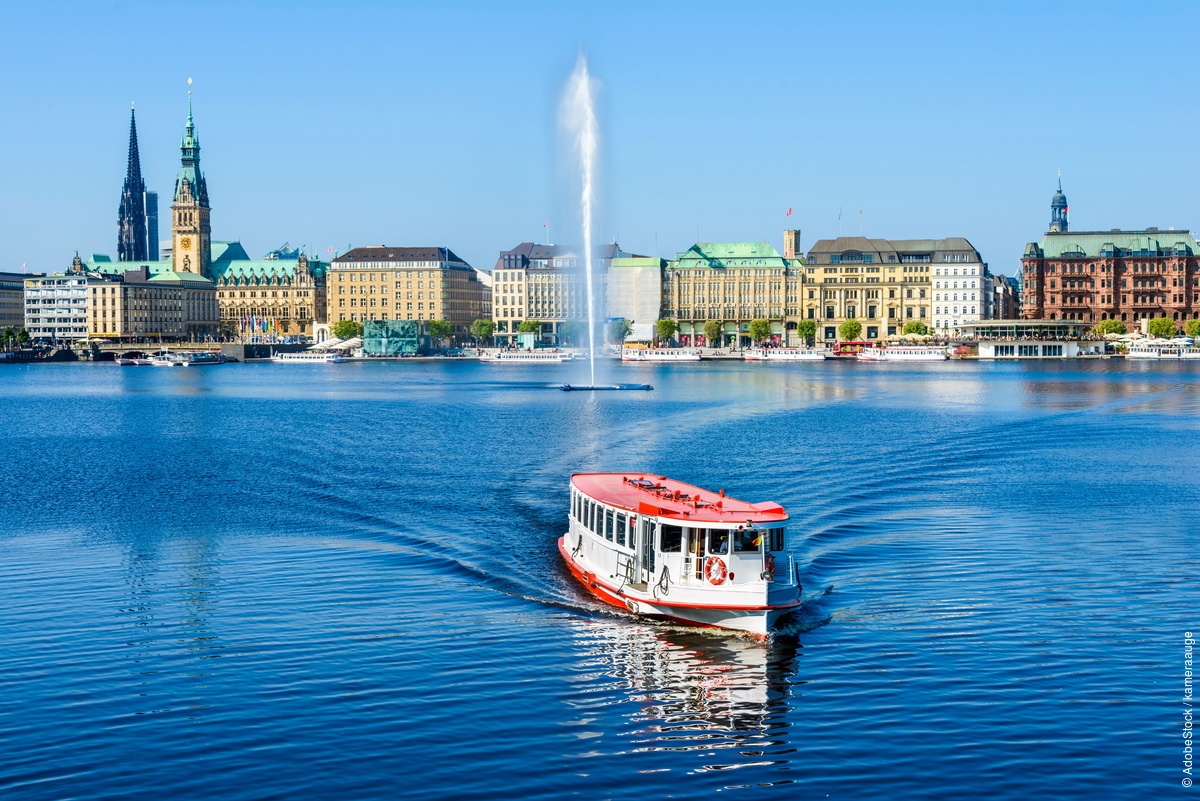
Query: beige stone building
x=547, y=283
x=406, y=283
x=733, y=283
x=132, y=305
x=881, y=283
x=166, y=305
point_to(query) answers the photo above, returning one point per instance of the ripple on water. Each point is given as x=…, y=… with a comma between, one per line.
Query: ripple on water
x=252, y=582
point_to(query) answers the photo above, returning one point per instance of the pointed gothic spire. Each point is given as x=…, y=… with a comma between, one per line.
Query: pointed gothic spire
x=131, y=222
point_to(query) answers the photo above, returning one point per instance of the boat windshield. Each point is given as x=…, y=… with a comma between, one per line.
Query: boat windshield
x=747, y=541
x=718, y=540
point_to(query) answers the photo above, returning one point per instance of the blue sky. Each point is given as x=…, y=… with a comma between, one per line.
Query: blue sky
x=365, y=123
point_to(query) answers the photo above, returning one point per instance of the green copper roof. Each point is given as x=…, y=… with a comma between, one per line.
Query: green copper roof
x=263, y=271
x=252, y=271
x=228, y=251
x=1097, y=244
x=730, y=254
x=107, y=265
x=171, y=275
x=731, y=250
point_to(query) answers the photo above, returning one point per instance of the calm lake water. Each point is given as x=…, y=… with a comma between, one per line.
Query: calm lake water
x=340, y=581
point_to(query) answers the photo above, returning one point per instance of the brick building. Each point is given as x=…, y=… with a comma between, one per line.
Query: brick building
x=1100, y=275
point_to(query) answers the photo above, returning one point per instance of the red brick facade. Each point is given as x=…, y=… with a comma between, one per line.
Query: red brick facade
x=1121, y=275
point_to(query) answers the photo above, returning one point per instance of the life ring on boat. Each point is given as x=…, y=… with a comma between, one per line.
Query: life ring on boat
x=715, y=570
x=769, y=568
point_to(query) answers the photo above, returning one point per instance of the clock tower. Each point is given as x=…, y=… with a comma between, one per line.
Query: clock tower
x=191, y=234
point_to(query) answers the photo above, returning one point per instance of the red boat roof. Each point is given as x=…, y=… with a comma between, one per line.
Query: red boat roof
x=649, y=494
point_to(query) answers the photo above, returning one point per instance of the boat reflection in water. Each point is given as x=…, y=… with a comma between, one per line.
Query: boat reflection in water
x=693, y=690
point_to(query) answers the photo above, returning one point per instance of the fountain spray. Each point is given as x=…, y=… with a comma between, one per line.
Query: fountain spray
x=579, y=118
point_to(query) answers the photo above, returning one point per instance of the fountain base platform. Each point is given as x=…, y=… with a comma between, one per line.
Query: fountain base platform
x=590, y=387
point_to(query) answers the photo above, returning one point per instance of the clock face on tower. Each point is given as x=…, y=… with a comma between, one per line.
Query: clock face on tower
x=185, y=242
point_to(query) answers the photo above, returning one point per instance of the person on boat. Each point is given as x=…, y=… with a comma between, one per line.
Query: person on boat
x=719, y=542
x=748, y=541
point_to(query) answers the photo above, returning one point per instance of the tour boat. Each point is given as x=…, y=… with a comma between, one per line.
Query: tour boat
x=1162, y=350
x=668, y=550
x=200, y=359
x=528, y=357
x=308, y=358
x=167, y=359
x=660, y=355
x=131, y=361
x=902, y=353
x=783, y=355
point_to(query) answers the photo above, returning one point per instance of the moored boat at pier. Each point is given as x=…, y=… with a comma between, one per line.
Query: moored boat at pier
x=1162, y=350
x=196, y=359
x=902, y=353
x=660, y=355
x=668, y=550
x=783, y=355
x=307, y=357
x=528, y=357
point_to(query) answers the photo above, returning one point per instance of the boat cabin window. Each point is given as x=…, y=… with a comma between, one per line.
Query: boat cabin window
x=672, y=539
x=608, y=524
x=718, y=540
x=621, y=523
x=747, y=541
x=590, y=514
x=776, y=539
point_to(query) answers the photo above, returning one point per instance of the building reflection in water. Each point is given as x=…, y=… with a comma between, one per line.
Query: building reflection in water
x=690, y=690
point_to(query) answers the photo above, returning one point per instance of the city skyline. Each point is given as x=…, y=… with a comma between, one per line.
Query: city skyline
x=452, y=141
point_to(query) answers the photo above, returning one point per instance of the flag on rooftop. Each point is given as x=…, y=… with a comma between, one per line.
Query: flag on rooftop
x=789, y=212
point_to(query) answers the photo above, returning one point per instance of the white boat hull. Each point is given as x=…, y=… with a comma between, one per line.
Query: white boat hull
x=186, y=359
x=1165, y=352
x=902, y=355
x=527, y=357
x=757, y=614
x=298, y=358
x=783, y=355
x=661, y=355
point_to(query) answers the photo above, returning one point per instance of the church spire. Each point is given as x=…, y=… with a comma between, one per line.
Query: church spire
x=190, y=229
x=190, y=184
x=131, y=222
x=1058, y=209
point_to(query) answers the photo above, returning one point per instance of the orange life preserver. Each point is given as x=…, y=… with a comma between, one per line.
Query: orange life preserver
x=715, y=570
x=769, y=568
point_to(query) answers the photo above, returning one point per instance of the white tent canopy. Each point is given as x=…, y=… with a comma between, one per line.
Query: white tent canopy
x=333, y=343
